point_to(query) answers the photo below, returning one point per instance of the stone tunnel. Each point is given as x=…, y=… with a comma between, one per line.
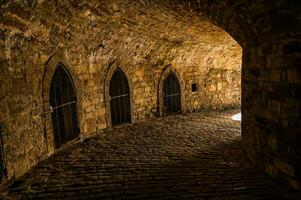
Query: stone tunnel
x=58, y=60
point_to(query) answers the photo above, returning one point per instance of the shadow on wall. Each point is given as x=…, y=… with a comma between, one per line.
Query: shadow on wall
x=3, y=171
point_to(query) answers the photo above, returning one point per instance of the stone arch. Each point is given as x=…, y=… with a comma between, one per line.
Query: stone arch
x=223, y=14
x=166, y=71
x=51, y=65
x=112, y=68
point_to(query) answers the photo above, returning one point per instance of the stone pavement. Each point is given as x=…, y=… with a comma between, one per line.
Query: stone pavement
x=194, y=156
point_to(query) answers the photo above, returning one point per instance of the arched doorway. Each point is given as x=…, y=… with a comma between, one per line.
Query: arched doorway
x=63, y=103
x=171, y=94
x=120, y=99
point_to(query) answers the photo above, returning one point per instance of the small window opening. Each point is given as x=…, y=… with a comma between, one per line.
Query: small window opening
x=193, y=87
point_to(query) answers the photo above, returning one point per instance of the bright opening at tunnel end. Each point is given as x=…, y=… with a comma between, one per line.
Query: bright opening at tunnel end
x=236, y=117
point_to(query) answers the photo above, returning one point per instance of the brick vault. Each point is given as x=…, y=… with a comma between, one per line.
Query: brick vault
x=216, y=55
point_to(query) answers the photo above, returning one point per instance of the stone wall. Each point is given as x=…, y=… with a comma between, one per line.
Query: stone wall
x=145, y=37
x=269, y=33
x=90, y=43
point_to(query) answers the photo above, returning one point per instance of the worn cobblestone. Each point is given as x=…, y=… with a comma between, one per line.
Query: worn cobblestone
x=193, y=156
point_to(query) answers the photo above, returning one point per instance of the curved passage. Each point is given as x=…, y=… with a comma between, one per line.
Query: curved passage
x=157, y=34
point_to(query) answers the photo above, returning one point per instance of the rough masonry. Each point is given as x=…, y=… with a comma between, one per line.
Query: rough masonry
x=201, y=41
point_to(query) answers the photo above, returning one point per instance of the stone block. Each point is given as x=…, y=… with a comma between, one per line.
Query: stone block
x=86, y=103
x=212, y=88
x=93, y=68
x=275, y=75
x=294, y=184
x=284, y=167
x=102, y=111
x=271, y=170
x=272, y=142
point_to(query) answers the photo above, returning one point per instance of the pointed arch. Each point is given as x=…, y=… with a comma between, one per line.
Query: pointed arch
x=118, y=94
x=171, y=94
x=55, y=61
x=173, y=72
x=63, y=102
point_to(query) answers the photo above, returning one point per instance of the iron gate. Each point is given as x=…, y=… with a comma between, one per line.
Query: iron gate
x=63, y=102
x=172, y=95
x=120, y=99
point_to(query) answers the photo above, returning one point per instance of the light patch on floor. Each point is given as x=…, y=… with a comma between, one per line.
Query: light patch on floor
x=236, y=117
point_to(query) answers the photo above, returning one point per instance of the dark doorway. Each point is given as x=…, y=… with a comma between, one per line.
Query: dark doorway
x=120, y=99
x=172, y=95
x=63, y=102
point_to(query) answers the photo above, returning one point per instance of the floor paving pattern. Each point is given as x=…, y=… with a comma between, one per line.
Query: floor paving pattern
x=193, y=156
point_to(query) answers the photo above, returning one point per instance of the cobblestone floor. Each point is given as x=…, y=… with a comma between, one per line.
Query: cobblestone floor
x=194, y=156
